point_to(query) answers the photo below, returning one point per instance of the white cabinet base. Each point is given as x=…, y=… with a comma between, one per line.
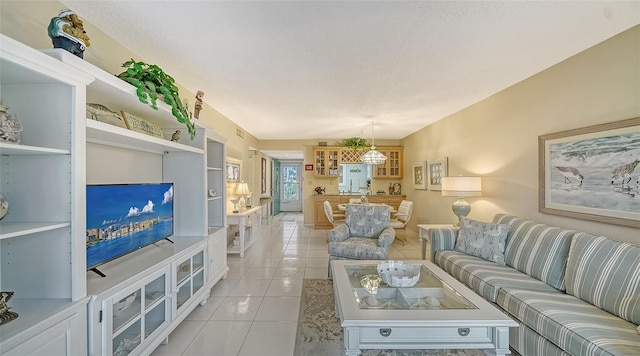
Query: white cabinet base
x=62, y=334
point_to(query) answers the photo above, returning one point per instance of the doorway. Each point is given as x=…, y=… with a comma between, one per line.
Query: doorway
x=291, y=192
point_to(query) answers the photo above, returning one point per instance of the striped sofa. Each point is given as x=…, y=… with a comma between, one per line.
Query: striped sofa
x=571, y=292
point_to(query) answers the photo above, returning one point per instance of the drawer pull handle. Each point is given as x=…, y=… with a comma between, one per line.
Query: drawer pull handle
x=385, y=332
x=463, y=331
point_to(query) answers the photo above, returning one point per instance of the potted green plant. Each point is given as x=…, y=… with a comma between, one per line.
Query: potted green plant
x=355, y=143
x=151, y=81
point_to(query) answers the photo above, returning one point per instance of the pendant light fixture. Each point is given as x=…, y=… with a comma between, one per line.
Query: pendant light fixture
x=373, y=156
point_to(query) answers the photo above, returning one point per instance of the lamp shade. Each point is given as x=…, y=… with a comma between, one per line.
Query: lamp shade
x=242, y=189
x=373, y=156
x=461, y=186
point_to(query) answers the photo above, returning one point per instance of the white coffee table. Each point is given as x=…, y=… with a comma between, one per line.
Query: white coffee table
x=404, y=318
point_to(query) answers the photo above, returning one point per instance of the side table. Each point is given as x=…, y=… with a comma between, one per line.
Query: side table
x=423, y=234
x=245, y=220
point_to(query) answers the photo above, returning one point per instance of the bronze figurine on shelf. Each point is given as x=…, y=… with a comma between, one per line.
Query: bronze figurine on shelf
x=5, y=314
x=67, y=32
x=176, y=136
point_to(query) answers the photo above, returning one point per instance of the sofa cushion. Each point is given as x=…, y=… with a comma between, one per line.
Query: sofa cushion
x=536, y=249
x=481, y=239
x=485, y=277
x=574, y=325
x=525, y=341
x=358, y=248
x=605, y=273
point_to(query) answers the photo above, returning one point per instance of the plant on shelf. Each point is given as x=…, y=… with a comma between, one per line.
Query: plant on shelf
x=355, y=143
x=151, y=81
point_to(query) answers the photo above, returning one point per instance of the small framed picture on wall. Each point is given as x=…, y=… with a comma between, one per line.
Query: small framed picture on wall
x=420, y=175
x=233, y=169
x=437, y=169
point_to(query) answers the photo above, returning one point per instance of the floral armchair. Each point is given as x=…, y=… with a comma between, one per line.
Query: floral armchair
x=366, y=235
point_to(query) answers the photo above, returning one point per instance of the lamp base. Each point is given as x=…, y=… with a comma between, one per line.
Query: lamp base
x=461, y=208
x=235, y=206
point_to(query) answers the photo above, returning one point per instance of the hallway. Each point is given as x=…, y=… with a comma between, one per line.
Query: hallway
x=254, y=311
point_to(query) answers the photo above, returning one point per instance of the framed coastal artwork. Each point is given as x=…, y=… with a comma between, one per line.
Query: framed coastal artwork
x=420, y=175
x=437, y=169
x=233, y=169
x=592, y=173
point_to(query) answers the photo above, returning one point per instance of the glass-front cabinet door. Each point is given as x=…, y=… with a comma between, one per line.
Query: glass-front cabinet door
x=136, y=314
x=327, y=161
x=393, y=166
x=190, y=278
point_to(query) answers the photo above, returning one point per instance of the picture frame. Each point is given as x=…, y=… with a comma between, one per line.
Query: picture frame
x=264, y=175
x=419, y=173
x=233, y=169
x=592, y=173
x=437, y=169
x=137, y=124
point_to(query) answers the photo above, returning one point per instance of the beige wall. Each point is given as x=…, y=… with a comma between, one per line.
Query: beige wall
x=497, y=138
x=27, y=21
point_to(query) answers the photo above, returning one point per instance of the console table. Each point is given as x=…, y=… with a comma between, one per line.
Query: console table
x=246, y=220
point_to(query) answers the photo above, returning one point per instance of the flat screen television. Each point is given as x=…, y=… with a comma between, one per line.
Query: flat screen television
x=122, y=218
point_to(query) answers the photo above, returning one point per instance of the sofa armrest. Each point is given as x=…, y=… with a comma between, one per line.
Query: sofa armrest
x=386, y=237
x=339, y=233
x=442, y=239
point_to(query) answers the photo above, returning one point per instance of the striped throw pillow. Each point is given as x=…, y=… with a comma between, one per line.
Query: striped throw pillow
x=605, y=273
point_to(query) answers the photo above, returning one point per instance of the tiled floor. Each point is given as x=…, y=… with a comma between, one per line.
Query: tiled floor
x=255, y=309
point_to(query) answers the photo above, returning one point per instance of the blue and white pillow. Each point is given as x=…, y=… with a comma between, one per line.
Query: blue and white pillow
x=484, y=240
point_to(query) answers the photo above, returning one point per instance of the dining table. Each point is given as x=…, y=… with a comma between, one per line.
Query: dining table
x=343, y=206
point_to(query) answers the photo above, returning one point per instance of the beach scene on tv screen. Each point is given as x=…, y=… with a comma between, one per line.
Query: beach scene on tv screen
x=125, y=217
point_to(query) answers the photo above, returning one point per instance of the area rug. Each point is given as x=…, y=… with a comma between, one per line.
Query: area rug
x=319, y=332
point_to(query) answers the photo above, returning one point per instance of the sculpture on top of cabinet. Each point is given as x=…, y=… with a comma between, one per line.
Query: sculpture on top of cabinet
x=198, y=105
x=67, y=32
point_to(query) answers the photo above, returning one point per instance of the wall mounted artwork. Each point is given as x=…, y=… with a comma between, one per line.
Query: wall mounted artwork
x=437, y=169
x=420, y=175
x=592, y=173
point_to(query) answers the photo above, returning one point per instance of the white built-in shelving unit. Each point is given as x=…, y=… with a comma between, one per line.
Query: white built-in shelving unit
x=42, y=252
x=65, y=309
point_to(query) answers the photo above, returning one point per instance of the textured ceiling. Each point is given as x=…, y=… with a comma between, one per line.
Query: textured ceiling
x=325, y=70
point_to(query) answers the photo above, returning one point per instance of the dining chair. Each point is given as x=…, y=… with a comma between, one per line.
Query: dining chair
x=401, y=218
x=334, y=217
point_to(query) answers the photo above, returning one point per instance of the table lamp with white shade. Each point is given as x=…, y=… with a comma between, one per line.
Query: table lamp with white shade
x=242, y=189
x=461, y=187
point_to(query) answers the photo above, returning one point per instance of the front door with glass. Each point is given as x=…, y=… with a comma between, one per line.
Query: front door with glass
x=291, y=192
